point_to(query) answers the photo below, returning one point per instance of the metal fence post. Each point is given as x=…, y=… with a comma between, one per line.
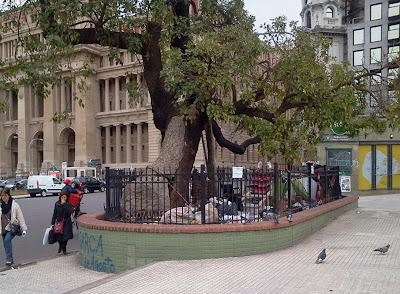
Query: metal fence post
x=107, y=206
x=202, y=193
x=289, y=179
x=309, y=164
x=276, y=187
x=326, y=183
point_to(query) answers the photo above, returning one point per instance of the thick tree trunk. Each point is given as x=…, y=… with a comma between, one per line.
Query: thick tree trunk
x=177, y=156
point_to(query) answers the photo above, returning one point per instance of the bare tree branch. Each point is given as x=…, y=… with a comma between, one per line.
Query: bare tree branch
x=235, y=148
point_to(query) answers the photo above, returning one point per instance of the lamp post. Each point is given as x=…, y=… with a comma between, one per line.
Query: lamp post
x=29, y=152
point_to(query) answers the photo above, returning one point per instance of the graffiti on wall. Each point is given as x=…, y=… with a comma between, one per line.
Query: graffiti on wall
x=94, y=258
x=374, y=166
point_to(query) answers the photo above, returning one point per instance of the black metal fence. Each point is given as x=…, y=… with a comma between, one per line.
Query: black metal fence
x=229, y=195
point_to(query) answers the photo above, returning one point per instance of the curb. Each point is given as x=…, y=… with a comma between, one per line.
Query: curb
x=28, y=263
x=21, y=196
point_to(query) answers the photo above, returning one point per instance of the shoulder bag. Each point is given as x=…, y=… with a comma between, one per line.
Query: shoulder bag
x=15, y=228
x=59, y=226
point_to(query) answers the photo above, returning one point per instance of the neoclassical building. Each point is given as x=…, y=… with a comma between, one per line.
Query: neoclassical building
x=108, y=128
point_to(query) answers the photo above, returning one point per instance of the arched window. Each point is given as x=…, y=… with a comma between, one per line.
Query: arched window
x=308, y=19
x=329, y=12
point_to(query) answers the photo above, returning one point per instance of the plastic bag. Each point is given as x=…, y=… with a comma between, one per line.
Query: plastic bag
x=46, y=236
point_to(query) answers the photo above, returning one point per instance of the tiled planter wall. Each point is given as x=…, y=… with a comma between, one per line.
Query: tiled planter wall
x=114, y=247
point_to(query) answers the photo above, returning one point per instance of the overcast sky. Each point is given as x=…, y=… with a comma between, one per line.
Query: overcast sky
x=264, y=10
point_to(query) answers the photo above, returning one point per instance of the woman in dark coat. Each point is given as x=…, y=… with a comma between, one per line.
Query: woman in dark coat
x=62, y=211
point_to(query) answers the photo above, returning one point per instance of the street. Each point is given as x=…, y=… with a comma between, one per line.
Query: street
x=38, y=212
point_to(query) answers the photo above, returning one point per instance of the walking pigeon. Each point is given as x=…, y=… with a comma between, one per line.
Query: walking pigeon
x=321, y=256
x=383, y=249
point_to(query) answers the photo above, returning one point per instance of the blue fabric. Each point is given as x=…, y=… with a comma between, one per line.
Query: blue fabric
x=69, y=189
x=7, y=238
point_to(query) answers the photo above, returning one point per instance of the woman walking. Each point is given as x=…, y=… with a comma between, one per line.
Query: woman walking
x=10, y=214
x=62, y=213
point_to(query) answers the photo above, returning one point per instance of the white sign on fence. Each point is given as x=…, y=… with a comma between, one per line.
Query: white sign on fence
x=237, y=172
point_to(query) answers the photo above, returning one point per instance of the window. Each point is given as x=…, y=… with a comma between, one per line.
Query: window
x=394, y=9
x=376, y=78
x=393, y=32
x=341, y=158
x=392, y=74
x=308, y=19
x=376, y=55
x=358, y=37
x=376, y=34
x=329, y=12
x=393, y=53
x=101, y=61
x=393, y=97
x=376, y=11
x=373, y=99
x=358, y=57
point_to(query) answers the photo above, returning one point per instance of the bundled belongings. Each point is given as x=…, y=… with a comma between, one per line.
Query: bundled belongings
x=224, y=206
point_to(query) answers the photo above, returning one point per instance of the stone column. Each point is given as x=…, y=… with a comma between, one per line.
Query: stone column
x=85, y=124
x=35, y=101
x=106, y=95
x=128, y=80
x=128, y=143
x=73, y=102
x=118, y=144
x=117, y=101
x=154, y=145
x=62, y=96
x=52, y=153
x=10, y=103
x=23, y=130
x=3, y=53
x=139, y=86
x=108, y=144
x=139, y=142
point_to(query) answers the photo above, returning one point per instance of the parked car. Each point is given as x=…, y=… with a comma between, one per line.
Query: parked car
x=88, y=184
x=21, y=184
x=10, y=183
x=2, y=184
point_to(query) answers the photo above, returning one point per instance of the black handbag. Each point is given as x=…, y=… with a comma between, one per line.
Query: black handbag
x=16, y=229
x=51, y=238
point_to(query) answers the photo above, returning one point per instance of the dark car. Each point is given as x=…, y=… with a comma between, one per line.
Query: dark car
x=88, y=184
x=21, y=184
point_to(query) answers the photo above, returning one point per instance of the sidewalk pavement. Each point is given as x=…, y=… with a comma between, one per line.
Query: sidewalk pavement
x=351, y=265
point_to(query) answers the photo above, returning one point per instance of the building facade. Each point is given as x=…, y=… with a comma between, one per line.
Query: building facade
x=366, y=34
x=110, y=128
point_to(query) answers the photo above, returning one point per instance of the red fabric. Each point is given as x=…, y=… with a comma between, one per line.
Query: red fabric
x=67, y=181
x=74, y=198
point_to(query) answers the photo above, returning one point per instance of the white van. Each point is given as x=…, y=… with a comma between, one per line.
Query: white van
x=44, y=185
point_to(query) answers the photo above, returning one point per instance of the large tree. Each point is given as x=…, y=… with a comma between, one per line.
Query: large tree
x=203, y=64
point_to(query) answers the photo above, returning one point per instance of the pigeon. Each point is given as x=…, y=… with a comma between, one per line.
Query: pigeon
x=383, y=249
x=321, y=256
